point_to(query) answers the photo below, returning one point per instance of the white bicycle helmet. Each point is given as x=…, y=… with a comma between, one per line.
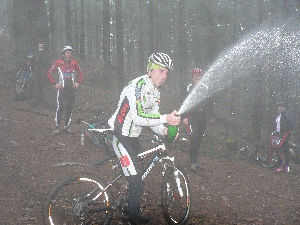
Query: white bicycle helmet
x=66, y=48
x=161, y=59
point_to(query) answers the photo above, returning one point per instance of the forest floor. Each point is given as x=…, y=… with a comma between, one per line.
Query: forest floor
x=229, y=190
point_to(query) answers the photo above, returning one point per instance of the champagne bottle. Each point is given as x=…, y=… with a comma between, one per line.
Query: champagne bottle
x=171, y=134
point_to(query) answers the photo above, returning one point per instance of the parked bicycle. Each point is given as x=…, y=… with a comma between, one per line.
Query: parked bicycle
x=89, y=134
x=88, y=199
x=25, y=78
x=270, y=156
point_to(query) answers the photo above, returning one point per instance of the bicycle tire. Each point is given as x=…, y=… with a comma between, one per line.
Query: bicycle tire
x=265, y=158
x=245, y=153
x=71, y=202
x=176, y=206
x=20, y=81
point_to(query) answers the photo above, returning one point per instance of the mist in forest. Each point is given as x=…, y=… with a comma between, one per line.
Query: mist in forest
x=273, y=45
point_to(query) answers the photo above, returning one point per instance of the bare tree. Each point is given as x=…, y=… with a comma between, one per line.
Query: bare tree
x=151, y=25
x=82, y=32
x=141, y=38
x=120, y=44
x=68, y=25
x=182, y=46
x=106, y=43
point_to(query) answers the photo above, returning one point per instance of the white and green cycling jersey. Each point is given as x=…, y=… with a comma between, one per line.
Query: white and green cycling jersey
x=138, y=106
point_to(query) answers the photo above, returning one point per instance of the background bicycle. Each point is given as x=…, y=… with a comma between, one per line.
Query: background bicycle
x=88, y=199
x=89, y=133
x=23, y=87
x=268, y=155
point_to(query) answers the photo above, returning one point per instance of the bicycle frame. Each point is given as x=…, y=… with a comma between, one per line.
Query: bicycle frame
x=160, y=156
x=274, y=148
x=28, y=70
x=93, y=198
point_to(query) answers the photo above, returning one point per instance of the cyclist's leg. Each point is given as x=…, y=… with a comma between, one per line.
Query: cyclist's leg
x=285, y=149
x=60, y=106
x=198, y=127
x=127, y=150
x=278, y=153
x=195, y=140
x=70, y=104
x=134, y=197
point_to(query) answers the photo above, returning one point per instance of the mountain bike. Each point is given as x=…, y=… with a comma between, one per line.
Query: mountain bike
x=269, y=155
x=93, y=136
x=86, y=198
x=25, y=78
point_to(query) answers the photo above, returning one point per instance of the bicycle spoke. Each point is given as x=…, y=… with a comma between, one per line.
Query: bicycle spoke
x=175, y=198
x=265, y=157
x=72, y=203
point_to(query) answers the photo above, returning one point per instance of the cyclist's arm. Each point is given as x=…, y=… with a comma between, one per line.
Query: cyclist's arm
x=52, y=69
x=79, y=72
x=161, y=129
x=142, y=118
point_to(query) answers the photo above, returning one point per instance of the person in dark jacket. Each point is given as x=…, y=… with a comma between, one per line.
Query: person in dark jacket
x=196, y=121
x=284, y=126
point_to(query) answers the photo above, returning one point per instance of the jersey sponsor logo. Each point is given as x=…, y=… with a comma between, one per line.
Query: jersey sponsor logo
x=123, y=112
x=124, y=160
x=138, y=93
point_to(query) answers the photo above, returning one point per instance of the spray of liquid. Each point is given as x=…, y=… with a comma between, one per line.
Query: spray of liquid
x=274, y=45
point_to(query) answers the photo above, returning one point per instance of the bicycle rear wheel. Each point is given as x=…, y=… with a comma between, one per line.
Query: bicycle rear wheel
x=71, y=202
x=20, y=81
x=175, y=197
x=265, y=157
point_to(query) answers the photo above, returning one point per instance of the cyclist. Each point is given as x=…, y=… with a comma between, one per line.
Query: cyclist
x=65, y=82
x=284, y=126
x=139, y=106
x=196, y=121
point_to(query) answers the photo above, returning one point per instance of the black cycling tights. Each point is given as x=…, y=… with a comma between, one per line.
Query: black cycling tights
x=133, y=148
x=135, y=193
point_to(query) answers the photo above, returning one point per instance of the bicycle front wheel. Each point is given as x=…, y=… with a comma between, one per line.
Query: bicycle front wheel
x=266, y=157
x=20, y=81
x=76, y=201
x=175, y=197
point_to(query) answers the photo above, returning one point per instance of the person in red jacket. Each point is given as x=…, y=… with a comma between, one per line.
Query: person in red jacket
x=62, y=75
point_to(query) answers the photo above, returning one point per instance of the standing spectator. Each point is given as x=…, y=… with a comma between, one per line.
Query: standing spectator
x=284, y=126
x=139, y=106
x=196, y=121
x=65, y=82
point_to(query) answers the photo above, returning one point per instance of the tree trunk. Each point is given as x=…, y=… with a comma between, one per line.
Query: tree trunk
x=151, y=27
x=182, y=70
x=106, y=44
x=82, y=33
x=120, y=44
x=141, y=53
x=30, y=28
x=68, y=16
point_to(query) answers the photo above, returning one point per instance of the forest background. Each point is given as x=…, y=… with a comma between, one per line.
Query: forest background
x=114, y=38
